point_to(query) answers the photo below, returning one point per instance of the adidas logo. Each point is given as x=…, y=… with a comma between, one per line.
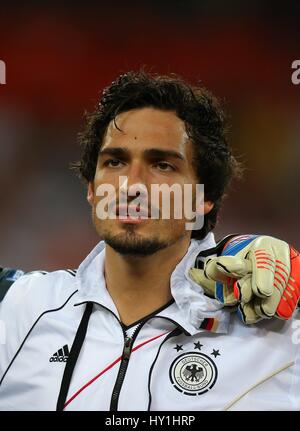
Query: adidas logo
x=61, y=355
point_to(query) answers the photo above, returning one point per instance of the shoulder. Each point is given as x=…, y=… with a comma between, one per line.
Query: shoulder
x=32, y=295
x=40, y=288
x=26, y=300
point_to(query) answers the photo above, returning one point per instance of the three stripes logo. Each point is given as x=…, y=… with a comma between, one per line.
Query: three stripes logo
x=61, y=355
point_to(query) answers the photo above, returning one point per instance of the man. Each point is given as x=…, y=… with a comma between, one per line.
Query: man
x=131, y=329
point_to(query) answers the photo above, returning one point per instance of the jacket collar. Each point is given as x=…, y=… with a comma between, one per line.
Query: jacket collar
x=192, y=310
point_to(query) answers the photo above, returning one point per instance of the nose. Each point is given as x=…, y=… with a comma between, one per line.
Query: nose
x=136, y=173
x=135, y=182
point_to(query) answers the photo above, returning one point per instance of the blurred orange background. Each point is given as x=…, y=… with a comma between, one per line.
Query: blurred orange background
x=59, y=56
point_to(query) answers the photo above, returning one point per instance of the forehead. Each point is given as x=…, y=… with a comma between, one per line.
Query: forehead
x=147, y=127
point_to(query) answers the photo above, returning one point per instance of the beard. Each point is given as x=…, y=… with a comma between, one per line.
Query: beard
x=132, y=244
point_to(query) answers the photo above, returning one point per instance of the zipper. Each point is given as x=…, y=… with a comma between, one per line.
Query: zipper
x=128, y=343
x=127, y=349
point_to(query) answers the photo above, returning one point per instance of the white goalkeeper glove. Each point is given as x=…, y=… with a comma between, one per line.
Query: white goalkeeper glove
x=259, y=274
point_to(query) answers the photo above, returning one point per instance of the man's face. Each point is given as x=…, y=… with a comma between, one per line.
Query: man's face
x=151, y=147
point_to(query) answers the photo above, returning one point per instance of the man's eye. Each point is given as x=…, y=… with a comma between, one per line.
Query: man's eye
x=165, y=166
x=112, y=163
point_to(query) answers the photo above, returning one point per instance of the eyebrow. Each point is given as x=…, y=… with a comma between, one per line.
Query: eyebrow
x=163, y=154
x=115, y=151
x=155, y=153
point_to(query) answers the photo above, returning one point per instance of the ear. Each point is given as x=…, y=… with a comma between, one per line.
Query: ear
x=90, y=193
x=208, y=206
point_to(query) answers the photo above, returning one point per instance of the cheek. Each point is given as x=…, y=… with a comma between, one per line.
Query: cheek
x=105, y=186
x=99, y=176
x=171, y=228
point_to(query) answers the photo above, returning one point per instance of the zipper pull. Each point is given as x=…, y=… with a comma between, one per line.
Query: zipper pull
x=127, y=348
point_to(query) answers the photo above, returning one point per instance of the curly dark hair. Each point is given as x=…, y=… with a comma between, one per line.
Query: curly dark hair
x=196, y=106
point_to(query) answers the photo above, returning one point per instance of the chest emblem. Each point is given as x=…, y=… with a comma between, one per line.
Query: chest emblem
x=61, y=355
x=193, y=373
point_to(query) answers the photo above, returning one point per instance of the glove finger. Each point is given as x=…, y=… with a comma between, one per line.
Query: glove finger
x=212, y=271
x=266, y=307
x=220, y=268
x=263, y=264
x=198, y=275
x=285, y=310
x=247, y=313
x=291, y=294
x=221, y=291
x=225, y=292
x=243, y=289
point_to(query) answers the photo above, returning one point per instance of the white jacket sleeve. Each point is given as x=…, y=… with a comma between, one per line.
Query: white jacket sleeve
x=17, y=313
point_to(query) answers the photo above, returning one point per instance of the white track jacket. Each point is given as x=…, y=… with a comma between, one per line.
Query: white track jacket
x=63, y=347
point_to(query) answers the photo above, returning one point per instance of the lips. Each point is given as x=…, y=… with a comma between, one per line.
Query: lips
x=132, y=211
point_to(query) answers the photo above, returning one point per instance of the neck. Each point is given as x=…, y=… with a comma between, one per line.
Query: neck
x=141, y=285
